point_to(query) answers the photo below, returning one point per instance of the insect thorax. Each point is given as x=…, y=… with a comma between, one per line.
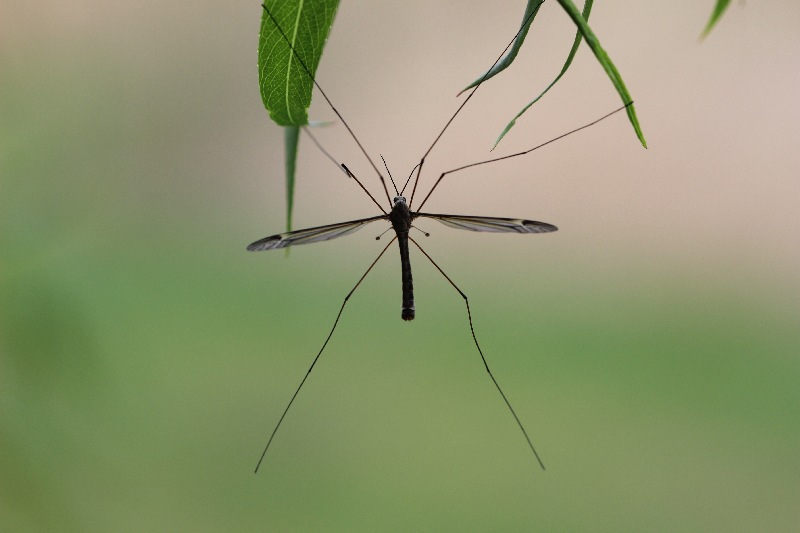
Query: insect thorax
x=400, y=215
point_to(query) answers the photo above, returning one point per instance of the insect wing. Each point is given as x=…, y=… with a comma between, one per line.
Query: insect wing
x=309, y=235
x=491, y=224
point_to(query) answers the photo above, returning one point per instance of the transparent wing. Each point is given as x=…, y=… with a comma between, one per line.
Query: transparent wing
x=309, y=235
x=491, y=224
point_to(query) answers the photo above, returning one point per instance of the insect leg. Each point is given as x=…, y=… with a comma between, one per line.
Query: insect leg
x=443, y=174
x=469, y=96
x=325, y=96
x=335, y=322
x=343, y=168
x=327, y=154
x=485, y=364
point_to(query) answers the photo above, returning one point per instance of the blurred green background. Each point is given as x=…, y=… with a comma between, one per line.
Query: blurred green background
x=651, y=346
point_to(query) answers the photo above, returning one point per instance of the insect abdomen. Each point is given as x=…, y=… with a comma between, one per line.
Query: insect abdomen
x=408, y=284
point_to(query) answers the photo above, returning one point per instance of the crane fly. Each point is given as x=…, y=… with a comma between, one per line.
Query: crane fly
x=401, y=217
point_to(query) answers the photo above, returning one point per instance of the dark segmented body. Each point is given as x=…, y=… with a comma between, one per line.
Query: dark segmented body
x=401, y=222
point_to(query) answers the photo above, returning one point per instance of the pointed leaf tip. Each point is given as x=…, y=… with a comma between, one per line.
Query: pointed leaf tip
x=719, y=9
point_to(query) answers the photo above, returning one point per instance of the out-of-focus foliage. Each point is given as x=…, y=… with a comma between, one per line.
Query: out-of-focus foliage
x=719, y=9
x=650, y=346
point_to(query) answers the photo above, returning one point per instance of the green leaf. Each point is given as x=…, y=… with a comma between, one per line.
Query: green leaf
x=291, y=138
x=530, y=13
x=719, y=9
x=291, y=141
x=606, y=63
x=284, y=76
x=587, y=9
x=290, y=44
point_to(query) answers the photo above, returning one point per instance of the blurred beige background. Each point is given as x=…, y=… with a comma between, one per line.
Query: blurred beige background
x=650, y=346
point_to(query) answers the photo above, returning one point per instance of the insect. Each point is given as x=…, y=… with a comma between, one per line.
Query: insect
x=401, y=216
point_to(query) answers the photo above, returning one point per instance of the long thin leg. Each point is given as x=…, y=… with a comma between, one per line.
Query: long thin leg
x=485, y=364
x=343, y=168
x=325, y=96
x=519, y=153
x=346, y=298
x=347, y=171
x=322, y=149
x=467, y=99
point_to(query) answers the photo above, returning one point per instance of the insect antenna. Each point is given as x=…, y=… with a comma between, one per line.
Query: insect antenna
x=390, y=176
x=519, y=153
x=325, y=96
x=467, y=99
x=408, y=179
x=314, y=362
x=485, y=364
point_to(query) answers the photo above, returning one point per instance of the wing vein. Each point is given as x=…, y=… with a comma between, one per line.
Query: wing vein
x=490, y=224
x=310, y=235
